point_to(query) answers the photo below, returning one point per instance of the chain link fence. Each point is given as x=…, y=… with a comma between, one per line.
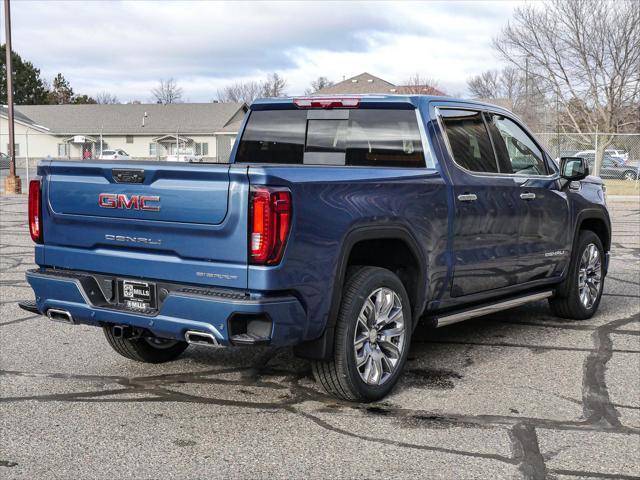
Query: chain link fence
x=620, y=168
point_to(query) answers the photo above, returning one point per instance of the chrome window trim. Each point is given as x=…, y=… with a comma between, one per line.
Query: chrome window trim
x=481, y=109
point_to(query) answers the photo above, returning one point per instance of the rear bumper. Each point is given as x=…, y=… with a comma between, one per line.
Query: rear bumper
x=189, y=308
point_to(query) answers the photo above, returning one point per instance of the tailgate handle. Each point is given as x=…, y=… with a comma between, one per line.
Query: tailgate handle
x=127, y=176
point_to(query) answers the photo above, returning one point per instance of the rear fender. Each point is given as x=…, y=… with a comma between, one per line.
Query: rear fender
x=322, y=347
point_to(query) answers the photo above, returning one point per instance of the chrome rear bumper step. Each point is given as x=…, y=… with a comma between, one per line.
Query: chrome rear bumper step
x=448, y=319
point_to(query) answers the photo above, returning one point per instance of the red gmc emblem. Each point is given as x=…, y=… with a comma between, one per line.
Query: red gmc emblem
x=133, y=202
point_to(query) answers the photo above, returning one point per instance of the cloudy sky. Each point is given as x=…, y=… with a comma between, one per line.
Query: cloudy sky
x=126, y=47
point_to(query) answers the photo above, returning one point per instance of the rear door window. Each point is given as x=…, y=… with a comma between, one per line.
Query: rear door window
x=469, y=140
x=359, y=137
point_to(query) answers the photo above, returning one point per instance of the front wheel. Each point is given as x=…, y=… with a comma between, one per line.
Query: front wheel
x=584, y=282
x=145, y=349
x=373, y=332
x=630, y=175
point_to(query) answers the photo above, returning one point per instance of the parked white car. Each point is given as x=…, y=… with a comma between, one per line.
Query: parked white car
x=621, y=154
x=117, y=154
x=184, y=155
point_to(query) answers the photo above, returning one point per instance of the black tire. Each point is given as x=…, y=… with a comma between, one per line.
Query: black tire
x=568, y=304
x=145, y=350
x=630, y=175
x=340, y=376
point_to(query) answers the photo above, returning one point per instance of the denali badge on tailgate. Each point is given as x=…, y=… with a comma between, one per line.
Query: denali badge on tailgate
x=133, y=202
x=126, y=238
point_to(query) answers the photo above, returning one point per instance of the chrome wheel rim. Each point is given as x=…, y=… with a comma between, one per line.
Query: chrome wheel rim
x=589, y=276
x=379, y=337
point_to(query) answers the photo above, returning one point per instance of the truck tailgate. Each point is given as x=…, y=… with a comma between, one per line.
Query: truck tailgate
x=184, y=223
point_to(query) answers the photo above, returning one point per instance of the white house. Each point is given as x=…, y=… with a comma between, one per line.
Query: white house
x=144, y=131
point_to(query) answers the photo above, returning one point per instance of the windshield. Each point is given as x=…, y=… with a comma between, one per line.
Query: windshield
x=366, y=137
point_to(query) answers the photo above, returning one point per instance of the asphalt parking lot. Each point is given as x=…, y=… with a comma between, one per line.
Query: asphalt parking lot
x=519, y=394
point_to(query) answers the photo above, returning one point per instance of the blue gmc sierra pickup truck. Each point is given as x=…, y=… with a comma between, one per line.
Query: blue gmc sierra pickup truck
x=338, y=224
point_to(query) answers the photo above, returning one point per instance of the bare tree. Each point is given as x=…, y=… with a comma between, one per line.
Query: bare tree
x=106, y=98
x=486, y=85
x=420, y=85
x=318, y=84
x=585, y=52
x=274, y=86
x=245, y=92
x=167, y=91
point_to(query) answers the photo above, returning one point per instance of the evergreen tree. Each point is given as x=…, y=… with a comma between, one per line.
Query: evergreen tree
x=28, y=87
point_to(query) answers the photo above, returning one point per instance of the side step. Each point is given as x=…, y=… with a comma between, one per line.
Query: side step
x=448, y=319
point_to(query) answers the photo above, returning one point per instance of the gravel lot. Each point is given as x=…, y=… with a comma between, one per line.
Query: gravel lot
x=518, y=394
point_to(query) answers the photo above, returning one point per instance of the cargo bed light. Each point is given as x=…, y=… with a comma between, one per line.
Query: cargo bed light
x=313, y=102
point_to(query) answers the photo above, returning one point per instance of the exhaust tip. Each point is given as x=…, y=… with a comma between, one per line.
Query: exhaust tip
x=58, y=315
x=201, y=338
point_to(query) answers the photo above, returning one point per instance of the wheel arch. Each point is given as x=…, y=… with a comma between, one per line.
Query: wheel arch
x=598, y=222
x=354, y=243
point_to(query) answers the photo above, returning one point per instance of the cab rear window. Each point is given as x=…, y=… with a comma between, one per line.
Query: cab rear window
x=367, y=137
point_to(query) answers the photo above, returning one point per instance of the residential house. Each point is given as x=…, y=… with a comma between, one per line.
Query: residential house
x=365, y=83
x=144, y=131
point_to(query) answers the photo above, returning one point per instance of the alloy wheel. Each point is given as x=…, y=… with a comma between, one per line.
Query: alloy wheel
x=589, y=276
x=379, y=337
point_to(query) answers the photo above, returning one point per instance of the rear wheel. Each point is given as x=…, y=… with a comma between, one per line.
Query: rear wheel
x=583, y=285
x=630, y=175
x=145, y=349
x=373, y=333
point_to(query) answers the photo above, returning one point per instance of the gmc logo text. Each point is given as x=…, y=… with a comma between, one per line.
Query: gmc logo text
x=133, y=202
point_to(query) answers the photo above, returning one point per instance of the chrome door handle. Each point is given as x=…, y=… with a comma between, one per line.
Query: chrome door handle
x=527, y=196
x=468, y=197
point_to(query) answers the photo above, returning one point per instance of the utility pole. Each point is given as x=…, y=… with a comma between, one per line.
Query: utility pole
x=12, y=183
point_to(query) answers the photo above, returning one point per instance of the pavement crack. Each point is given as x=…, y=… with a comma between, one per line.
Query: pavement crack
x=396, y=443
x=524, y=443
x=597, y=406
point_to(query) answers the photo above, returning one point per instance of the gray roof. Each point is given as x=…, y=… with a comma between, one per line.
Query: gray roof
x=126, y=119
x=18, y=116
x=358, y=85
x=365, y=83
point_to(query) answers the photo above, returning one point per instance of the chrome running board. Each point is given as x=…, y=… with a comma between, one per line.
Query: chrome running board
x=442, y=320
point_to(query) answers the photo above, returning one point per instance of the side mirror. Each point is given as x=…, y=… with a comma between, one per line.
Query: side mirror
x=573, y=168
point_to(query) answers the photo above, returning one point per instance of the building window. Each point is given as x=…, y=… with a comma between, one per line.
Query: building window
x=129, y=138
x=63, y=150
x=202, y=149
x=16, y=150
x=153, y=149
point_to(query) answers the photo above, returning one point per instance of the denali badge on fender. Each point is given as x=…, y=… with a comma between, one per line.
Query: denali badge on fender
x=134, y=202
x=125, y=238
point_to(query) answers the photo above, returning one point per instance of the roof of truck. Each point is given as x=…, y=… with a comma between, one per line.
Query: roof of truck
x=377, y=99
